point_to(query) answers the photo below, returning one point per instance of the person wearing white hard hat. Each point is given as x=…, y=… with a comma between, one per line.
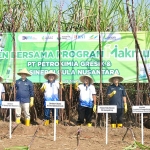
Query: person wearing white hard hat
x=50, y=89
x=87, y=100
x=117, y=96
x=25, y=95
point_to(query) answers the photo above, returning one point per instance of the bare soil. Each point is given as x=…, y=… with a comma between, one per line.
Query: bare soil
x=90, y=138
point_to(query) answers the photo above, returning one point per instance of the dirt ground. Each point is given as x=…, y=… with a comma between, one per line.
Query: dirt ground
x=90, y=138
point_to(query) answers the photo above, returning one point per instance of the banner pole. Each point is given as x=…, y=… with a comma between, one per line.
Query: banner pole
x=10, y=123
x=142, y=134
x=106, y=128
x=54, y=124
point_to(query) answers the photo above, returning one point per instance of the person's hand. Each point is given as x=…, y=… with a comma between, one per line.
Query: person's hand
x=112, y=94
x=94, y=108
x=76, y=86
x=43, y=88
x=125, y=107
x=12, y=85
x=31, y=101
x=61, y=83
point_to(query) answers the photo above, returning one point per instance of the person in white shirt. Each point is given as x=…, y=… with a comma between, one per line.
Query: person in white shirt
x=50, y=89
x=87, y=100
x=2, y=92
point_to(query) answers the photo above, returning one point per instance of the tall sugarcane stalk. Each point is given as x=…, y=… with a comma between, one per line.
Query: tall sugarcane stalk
x=14, y=62
x=137, y=58
x=59, y=48
x=70, y=100
x=100, y=57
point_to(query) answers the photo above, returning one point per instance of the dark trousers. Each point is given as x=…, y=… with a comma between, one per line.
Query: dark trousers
x=47, y=113
x=84, y=113
x=117, y=117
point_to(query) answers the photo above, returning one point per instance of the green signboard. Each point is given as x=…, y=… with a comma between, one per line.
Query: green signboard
x=38, y=52
x=6, y=63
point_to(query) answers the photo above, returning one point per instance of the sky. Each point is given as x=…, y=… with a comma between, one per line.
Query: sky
x=67, y=2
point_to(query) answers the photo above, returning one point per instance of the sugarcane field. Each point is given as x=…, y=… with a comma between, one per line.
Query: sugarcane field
x=75, y=75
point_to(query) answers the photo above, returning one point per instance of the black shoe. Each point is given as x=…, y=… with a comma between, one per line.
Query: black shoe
x=79, y=122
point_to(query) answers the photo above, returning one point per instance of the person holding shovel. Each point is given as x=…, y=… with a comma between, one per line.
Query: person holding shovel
x=87, y=100
x=117, y=96
x=25, y=95
x=50, y=89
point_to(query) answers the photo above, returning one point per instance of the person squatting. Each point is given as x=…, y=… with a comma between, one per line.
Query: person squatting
x=50, y=88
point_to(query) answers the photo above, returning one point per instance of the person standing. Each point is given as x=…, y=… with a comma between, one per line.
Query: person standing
x=50, y=89
x=25, y=95
x=87, y=100
x=117, y=96
x=2, y=92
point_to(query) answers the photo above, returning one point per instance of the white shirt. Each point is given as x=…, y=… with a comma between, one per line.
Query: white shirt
x=51, y=91
x=86, y=95
x=2, y=90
